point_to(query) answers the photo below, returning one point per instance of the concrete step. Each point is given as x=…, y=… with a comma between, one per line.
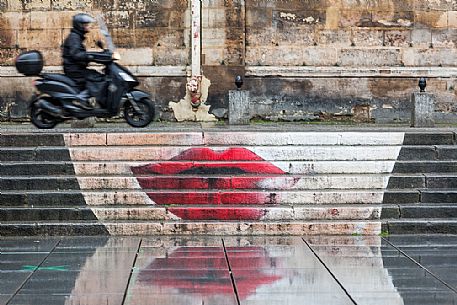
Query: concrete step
x=429, y=152
x=45, y=168
x=214, y=197
x=37, y=198
x=420, y=226
x=113, y=168
x=36, y=154
x=421, y=181
x=52, y=228
x=235, y=138
x=425, y=166
x=247, y=153
x=48, y=213
x=31, y=139
x=194, y=213
x=142, y=228
x=420, y=210
x=39, y=183
x=439, y=195
x=430, y=138
x=189, y=182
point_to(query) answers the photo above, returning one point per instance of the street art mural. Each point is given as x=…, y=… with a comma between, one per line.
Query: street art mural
x=237, y=176
x=219, y=172
x=223, y=182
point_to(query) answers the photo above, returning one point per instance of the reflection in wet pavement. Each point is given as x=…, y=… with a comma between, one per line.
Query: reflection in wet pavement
x=398, y=270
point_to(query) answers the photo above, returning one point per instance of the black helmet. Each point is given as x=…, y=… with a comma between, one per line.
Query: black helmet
x=80, y=19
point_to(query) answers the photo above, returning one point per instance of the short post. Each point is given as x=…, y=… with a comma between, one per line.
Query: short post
x=238, y=107
x=85, y=123
x=423, y=104
x=239, y=113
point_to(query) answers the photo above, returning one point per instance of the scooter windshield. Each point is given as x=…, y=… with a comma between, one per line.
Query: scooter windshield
x=105, y=32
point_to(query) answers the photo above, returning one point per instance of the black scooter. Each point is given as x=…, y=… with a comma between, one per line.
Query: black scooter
x=58, y=98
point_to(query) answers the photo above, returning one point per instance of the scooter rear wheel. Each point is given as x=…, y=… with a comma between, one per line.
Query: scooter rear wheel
x=42, y=119
x=141, y=117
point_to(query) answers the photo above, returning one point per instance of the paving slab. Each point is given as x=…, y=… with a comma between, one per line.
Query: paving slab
x=229, y=270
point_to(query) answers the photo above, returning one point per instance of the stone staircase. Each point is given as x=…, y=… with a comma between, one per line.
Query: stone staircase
x=226, y=183
x=422, y=191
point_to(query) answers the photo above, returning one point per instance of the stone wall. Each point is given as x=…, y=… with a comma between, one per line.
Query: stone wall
x=302, y=59
x=351, y=59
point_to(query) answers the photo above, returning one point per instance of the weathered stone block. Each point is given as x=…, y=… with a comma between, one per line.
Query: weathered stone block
x=177, y=19
x=239, y=107
x=118, y=19
x=14, y=5
x=352, y=18
x=286, y=4
x=370, y=57
x=452, y=19
x=52, y=57
x=334, y=37
x=365, y=38
x=134, y=38
x=213, y=55
x=69, y=5
x=165, y=56
x=259, y=18
x=391, y=87
x=432, y=19
x=397, y=38
x=8, y=38
x=213, y=18
x=296, y=36
x=15, y=20
x=40, y=39
x=423, y=109
x=429, y=57
x=318, y=56
x=444, y=38
x=170, y=38
x=275, y=56
x=151, y=18
x=213, y=38
x=43, y=20
x=136, y=57
x=7, y=56
x=37, y=5
x=421, y=38
x=433, y=5
x=260, y=37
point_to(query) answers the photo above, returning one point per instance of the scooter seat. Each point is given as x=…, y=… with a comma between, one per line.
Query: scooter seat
x=61, y=78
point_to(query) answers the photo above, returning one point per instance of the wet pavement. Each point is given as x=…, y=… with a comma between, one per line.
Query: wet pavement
x=419, y=270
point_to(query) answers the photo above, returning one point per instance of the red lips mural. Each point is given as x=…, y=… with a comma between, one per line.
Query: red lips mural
x=205, y=271
x=202, y=176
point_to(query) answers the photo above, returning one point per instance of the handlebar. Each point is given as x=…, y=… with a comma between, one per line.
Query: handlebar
x=104, y=57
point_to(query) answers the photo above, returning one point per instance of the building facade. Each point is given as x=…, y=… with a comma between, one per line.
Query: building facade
x=357, y=60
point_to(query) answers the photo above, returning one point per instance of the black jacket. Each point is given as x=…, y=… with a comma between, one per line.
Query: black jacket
x=75, y=58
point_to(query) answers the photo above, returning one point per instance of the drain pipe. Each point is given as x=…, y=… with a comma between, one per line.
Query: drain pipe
x=194, y=84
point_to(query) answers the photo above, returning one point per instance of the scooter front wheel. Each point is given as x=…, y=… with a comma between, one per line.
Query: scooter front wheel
x=141, y=116
x=41, y=119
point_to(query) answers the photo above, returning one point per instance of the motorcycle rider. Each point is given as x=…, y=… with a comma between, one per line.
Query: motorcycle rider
x=76, y=58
